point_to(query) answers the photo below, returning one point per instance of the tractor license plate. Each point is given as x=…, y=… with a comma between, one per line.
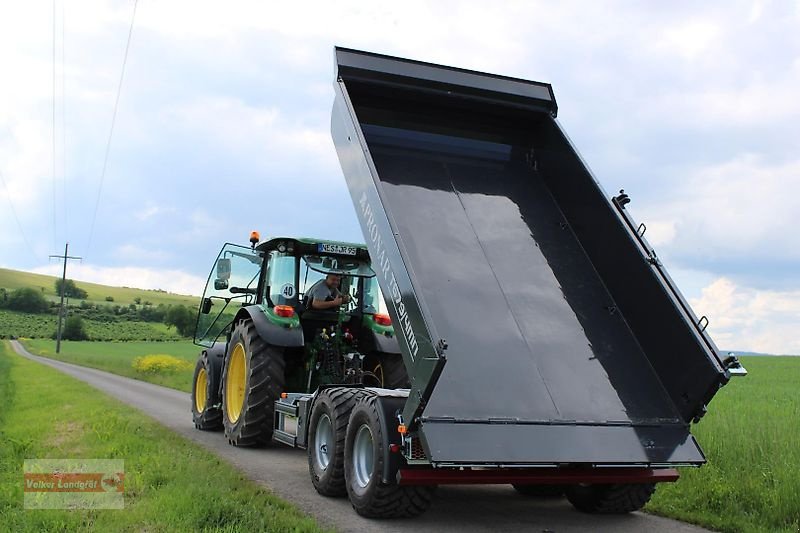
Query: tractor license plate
x=336, y=249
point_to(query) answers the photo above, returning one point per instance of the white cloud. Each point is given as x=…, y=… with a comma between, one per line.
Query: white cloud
x=743, y=318
x=175, y=281
x=745, y=207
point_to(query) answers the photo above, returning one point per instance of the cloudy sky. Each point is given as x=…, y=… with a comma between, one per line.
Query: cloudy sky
x=223, y=127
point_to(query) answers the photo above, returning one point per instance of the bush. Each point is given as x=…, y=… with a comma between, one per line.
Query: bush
x=74, y=329
x=160, y=363
x=109, y=298
x=71, y=290
x=182, y=318
x=27, y=300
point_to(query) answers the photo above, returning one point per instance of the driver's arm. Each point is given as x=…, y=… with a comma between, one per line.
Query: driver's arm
x=321, y=304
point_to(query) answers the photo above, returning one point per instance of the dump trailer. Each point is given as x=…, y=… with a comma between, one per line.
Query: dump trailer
x=543, y=343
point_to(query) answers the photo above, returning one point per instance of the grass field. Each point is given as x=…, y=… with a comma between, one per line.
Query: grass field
x=14, y=279
x=117, y=357
x=170, y=483
x=751, y=436
x=43, y=326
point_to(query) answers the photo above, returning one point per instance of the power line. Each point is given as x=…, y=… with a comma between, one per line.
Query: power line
x=64, y=202
x=16, y=218
x=54, y=124
x=111, y=131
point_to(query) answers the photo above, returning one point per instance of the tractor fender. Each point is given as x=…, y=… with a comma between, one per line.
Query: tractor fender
x=216, y=354
x=271, y=333
x=372, y=341
x=389, y=407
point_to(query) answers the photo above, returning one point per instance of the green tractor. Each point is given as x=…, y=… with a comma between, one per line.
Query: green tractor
x=262, y=336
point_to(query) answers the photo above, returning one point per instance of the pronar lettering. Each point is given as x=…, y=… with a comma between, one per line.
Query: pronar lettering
x=385, y=270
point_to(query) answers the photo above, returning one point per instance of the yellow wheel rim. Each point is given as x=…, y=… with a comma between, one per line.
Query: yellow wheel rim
x=234, y=383
x=201, y=390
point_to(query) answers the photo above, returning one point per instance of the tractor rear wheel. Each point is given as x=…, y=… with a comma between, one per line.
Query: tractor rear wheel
x=610, y=499
x=364, y=457
x=540, y=491
x=206, y=411
x=252, y=380
x=390, y=370
x=327, y=428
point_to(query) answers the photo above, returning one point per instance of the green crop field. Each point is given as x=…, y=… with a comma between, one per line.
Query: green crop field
x=44, y=325
x=15, y=279
x=751, y=436
x=118, y=357
x=170, y=483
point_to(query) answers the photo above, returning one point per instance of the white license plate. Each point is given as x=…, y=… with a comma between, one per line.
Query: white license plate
x=336, y=249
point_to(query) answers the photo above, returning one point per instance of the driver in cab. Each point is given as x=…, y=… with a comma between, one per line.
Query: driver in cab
x=324, y=294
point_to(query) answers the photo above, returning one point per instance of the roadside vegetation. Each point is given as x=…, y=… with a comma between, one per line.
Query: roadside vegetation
x=170, y=483
x=750, y=436
x=170, y=364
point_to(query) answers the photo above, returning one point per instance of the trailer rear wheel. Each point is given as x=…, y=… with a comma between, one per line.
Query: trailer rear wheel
x=252, y=379
x=610, y=499
x=364, y=457
x=540, y=491
x=206, y=412
x=327, y=428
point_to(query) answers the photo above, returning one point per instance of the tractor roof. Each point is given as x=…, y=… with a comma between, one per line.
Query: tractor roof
x=307, y=245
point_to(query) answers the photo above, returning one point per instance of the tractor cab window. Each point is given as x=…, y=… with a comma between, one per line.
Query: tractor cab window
x=281, y=279
x=373, y=297
x=314, y=269
x=231, y=284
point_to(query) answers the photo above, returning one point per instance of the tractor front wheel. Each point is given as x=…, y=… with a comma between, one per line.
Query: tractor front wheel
x=206, y=412
x=252, y=380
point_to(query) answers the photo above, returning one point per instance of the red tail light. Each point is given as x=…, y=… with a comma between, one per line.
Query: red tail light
x=383, y=319
x=285, y=311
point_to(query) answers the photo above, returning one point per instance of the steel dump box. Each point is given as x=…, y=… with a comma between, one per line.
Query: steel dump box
x=537, y=325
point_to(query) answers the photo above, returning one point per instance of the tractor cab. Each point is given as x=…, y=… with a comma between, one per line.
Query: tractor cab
x=269, y=284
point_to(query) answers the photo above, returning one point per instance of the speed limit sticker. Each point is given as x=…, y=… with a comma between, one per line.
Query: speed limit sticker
x=287, y=291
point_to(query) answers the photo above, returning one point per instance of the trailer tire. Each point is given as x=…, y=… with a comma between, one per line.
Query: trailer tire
x=364, y=457
x=206, y=402
x=540, y=491
x=252, y=380
x=610, y=499
x=327, y=428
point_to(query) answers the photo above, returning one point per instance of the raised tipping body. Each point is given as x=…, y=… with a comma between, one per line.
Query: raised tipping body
x=564, y=344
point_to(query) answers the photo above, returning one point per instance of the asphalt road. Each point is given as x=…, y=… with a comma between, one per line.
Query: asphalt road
x=284, y=471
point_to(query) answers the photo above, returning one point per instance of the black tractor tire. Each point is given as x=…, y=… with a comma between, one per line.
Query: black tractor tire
x=326, y=467
x=540, y=491
x=263, y=384
x=389, y=368
x=369, y=495
x=207, y=404
x=610, y=499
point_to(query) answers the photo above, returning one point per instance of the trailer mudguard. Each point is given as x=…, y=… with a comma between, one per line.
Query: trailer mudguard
x=565, y=341
x=271, y=333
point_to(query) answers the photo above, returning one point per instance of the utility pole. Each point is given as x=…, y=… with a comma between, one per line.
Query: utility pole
x=65, y=257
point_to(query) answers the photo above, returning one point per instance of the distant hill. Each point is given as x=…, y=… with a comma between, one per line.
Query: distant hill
x=14, y=279
x=749, y=354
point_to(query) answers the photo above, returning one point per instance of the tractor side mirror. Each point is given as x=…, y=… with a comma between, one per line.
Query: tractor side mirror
x=205, y=308
x=220, y=284
x=224, y=270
